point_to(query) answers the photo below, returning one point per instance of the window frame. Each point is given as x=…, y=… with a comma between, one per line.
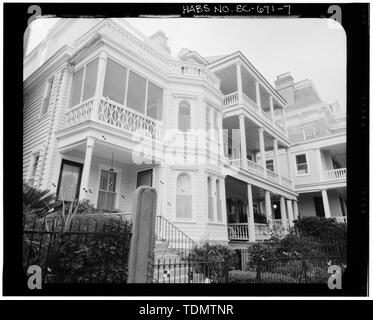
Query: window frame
x=273, y=164
x=117, y=186
x=192, y=218
x=296, y=165
x=181, y=103
x=34, y=155
x=83, y=66
x=44, y=110
x=313, y=133
x=73, y=163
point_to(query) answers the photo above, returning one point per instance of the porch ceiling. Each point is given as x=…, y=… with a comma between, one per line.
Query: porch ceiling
x=252, y=134
x=228, y=78
x=103, y=150
x=337, y=151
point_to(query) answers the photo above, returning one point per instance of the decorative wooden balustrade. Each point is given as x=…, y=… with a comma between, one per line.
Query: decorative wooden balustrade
x=272, y=175
x=240, y=231
x=231, y=99
x=116, y=115
x=251, y=165
x=336, y=174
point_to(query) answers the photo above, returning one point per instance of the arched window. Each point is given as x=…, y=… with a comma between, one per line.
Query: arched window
x=210, y=200
x=218, y=202
x=184, y=116
x=183, y=198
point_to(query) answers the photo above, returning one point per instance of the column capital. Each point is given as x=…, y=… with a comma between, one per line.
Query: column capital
x=103, y=55
x=90, y=142
x=241, y=116
x=261, y=129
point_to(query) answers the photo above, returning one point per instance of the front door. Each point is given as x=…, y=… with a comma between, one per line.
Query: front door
x=69, y=181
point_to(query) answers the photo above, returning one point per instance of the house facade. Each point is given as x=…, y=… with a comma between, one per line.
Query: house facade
x=107, y=109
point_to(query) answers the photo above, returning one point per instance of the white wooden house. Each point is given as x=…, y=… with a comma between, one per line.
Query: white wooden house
x=107, y=109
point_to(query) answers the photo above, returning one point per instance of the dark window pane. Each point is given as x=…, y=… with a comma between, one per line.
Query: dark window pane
x=90, y=80
x=301, y=158
x=77, y=87
x=154, y=103
x=136, y=92
x=115, y=81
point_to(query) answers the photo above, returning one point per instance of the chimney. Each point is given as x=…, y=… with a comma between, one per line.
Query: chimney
x=284, y=80
x=159, y=39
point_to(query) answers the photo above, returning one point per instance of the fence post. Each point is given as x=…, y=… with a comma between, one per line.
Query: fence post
x=143, y=234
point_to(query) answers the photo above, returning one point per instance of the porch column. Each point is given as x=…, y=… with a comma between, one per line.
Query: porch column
x=268, y=208
x=100, y=83
x=290, y=212
x=86, y=168
x=243, y=142
x=276, y=161
x=239, y=81
x=271, y=109
x=295, y=209
x=262, y=150
x=325, y=201
x=250, y=212
x=319, y=163
x=283, y=213
x=257, y=95
x=284, y=121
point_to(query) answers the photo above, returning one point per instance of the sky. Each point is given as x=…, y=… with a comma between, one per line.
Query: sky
x=312, y=49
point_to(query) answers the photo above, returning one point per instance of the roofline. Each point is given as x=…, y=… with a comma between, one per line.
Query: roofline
x=255, y=70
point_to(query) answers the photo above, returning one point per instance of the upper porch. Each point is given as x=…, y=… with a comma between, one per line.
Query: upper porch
x=246, y=90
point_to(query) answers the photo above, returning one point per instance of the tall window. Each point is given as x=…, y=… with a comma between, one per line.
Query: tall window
x=136, y=92
x=216, y=127
x=218, y=202
x=34, y=164
x=210, y=200
x=184, y=116
x=107, y=191
x=154, y=101
x=301, y=162
x=84, y=83
x=115, y=81
x=47, y=97
x=183, y=198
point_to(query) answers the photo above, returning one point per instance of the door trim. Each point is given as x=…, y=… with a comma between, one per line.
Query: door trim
x=73, y=163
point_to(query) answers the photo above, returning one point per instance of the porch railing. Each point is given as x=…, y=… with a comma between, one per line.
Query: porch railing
x=235, y=162
x=238, y=231
x=231, y=99
x=116, y=115
x=254, y=166
x=336, y=174
x=342, y=219
x=272, y=175
x=174, y=237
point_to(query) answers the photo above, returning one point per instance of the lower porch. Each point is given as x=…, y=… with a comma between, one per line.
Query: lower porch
x=253, y=213
x=103, y=174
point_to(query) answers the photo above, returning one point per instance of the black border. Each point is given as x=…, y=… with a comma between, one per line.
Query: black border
x=355, y=20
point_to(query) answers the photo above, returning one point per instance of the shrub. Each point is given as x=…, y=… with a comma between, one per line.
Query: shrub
x=96, y=254
x=215, y=252
x=324, y=229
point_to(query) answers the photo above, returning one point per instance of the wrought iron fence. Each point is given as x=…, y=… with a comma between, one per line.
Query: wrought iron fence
x=93, y=249
x=191, y=271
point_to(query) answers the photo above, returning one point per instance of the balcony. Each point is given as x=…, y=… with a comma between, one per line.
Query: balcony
x=115, y=115
x=258, y=170
x=336, y=174
x=232, y=99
